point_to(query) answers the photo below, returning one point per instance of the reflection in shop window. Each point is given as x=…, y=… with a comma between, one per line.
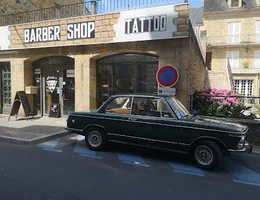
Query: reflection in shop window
x=244, y=87
x=120, y=105
x=126, y=73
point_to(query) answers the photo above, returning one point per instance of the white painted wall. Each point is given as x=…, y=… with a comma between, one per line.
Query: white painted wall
x=119, y=28
x=4, y=41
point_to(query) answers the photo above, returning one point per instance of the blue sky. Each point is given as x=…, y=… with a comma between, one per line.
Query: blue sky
x=195, y=3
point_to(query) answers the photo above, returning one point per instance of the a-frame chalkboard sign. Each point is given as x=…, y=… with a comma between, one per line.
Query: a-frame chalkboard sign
x=20, y=98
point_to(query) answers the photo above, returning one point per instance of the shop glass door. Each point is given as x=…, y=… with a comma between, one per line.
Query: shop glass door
x=53, y=88
x=5, y=87
x=68, y=91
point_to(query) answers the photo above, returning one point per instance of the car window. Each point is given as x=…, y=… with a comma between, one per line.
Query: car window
x=178, y=108
x=119, y=105
x=149, y=106
x=165, y=109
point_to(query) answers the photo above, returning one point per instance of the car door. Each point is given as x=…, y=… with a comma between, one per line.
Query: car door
x=154, y=124
x=115, y=118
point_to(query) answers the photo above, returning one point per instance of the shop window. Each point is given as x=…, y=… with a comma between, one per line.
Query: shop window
x=5, y=85
x=244, y=87
x=126, y=73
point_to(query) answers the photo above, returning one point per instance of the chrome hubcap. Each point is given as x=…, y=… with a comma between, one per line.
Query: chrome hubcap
x=204, y=155
x=94, y=138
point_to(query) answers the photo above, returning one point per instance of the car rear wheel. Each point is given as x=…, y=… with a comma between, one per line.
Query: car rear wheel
x=207, y=154
x=95, y=138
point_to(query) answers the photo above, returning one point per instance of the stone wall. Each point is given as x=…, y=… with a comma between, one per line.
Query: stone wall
x=176, y=52
x=105, y=28
x=216, y=25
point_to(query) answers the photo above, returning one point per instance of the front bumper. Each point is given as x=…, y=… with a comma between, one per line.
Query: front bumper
x=246, y=148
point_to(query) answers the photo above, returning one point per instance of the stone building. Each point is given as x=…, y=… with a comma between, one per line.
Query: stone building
x=78, y=62
x=232, y=33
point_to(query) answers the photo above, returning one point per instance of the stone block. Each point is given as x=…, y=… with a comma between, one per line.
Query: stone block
x=181, y=34
x=183, y=28
x=98, y=23
x=116, y=15
x=108, y=16
x=112, y=34
x=184, y=13
x=92, y=18
x=179, y=21
x=105, y=22
x=113, y=21
x=100, y=17
x=187, y=20
x=182, y=7
x=109, y=28
x=104, y=34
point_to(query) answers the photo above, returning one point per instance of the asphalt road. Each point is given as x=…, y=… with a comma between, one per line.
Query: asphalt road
x=65, y=169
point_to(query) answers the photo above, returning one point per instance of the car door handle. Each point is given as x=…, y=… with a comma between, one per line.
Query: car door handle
x=132, y=119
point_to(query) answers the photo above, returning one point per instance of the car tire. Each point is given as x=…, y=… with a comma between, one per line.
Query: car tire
x=207, y=154
x=95, y=138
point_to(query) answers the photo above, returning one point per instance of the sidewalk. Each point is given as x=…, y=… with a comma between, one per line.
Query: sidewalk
x=31, y=131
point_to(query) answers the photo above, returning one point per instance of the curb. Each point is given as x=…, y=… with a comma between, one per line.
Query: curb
x=34, y=141
x=256, y=149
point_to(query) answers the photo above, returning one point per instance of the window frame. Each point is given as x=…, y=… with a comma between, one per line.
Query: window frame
x=233, y=34
x=173, y=116
x=257, y=59
x=239, y=4
x=257, y=24
x=231, y=63
x=104, y=110
x=246, y=86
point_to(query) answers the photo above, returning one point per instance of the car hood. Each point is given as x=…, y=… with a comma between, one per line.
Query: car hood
x=220, y=123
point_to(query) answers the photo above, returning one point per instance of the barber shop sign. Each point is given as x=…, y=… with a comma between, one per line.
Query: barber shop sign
x=82, y=30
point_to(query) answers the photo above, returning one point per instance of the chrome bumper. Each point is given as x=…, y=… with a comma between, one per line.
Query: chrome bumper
x=246, y=148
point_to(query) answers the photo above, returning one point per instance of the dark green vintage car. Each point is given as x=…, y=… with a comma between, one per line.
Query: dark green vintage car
x=161, y=122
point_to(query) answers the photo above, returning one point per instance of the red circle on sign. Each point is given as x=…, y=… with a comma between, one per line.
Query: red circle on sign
x=173, y=80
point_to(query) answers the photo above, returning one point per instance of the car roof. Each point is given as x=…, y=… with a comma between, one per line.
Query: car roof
x=142, y=95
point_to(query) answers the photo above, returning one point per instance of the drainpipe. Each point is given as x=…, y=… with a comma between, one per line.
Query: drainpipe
x=93, y=7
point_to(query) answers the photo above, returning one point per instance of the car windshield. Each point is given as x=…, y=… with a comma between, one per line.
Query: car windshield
x=178, y=108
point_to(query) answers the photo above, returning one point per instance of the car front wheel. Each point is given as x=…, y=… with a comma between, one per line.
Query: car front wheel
x=207, y=154
x=95, y=138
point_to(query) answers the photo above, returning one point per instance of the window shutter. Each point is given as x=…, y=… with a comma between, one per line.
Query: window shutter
x=233, y=32
x=233, y=57
x=230, y=33
x=237, y=32
x=257, y=31
x=257, y=59
x=236, y=59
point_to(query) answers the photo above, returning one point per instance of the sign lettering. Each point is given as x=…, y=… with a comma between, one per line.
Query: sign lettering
x=42, y=34
x=146, y=24
x=81, y=30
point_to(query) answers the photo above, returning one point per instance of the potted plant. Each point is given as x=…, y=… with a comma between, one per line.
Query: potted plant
x=245, y=64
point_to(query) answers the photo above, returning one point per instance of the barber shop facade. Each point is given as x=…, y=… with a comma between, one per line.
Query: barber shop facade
x=79, y=62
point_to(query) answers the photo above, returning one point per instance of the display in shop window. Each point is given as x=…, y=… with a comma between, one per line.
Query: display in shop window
x=51, y=82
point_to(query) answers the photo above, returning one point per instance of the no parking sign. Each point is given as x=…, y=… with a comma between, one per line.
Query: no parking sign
x=167, y=76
